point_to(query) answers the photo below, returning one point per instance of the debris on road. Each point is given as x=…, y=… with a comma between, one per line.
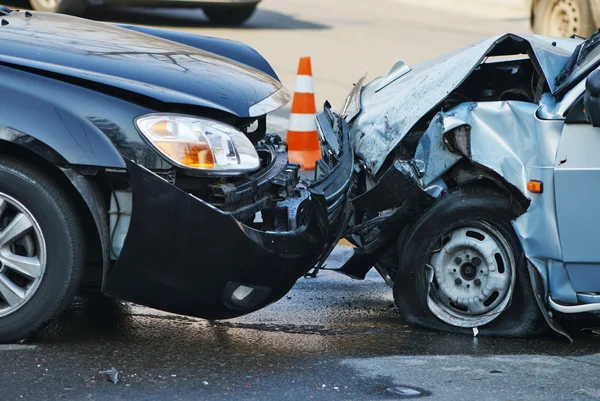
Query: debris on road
x=111, y=375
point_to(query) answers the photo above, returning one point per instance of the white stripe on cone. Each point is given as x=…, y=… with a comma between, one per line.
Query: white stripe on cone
x=304, y=84
x=302, y=122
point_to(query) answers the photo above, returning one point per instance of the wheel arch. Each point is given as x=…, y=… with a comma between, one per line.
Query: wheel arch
x=74, y=184
x=469, y=174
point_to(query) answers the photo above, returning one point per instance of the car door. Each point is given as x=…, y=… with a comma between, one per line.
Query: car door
x=577, y=192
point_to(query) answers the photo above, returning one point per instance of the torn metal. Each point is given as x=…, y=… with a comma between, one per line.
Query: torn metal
x=389, y=114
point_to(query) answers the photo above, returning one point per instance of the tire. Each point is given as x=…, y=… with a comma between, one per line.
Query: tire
x=224, y=15
x=71, y=7
x=563, y=18
x=475, y=212
x=54, y=240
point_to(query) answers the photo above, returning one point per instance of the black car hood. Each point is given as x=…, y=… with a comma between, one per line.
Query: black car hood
x=131, y=62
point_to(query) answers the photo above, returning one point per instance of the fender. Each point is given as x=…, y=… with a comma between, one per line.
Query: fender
x=75, y=125
x=506, y=139
x=227, y=48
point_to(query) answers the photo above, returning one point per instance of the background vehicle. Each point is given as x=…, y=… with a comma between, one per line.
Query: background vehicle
x=477, y=184
x=564, y=17
x=226, y=12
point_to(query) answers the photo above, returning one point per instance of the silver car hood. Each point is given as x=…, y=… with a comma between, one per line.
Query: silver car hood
x=388, y=114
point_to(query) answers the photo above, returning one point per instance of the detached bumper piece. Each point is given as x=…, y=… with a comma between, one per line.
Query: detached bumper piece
x=186, y=256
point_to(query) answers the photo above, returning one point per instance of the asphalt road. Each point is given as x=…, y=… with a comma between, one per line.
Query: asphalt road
x=331, y=337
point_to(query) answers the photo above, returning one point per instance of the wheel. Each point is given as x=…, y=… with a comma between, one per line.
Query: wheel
x=229, y=15
x=563, y=18
x=71, y=7
x=461, y=266
x=41, y=250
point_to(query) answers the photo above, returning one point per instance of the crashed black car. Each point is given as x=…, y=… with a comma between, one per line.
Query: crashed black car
x=136, y=160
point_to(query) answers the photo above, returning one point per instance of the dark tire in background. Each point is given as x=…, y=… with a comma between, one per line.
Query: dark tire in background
x=71, y=7
x=41, y=249
x=466, y=245
x=228, y=15
x=563, y=18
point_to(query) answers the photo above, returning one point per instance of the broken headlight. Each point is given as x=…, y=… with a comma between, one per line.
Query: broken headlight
x=200, y=143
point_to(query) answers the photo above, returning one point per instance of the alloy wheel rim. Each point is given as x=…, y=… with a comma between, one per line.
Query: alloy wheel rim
x=22, y=255
x=472, y=277
x=564, y=18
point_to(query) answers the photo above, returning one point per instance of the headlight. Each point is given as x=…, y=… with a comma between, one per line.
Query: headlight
x=200, y=143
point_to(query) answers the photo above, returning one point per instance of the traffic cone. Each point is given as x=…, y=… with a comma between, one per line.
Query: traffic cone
x=303, y=142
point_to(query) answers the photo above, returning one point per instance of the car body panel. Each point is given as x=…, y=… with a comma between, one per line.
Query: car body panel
x=577, y=171
x=390, y=113
x=130, y=61
x=227, y=48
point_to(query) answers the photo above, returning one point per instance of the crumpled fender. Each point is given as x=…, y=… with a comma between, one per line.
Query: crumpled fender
x=508, y=139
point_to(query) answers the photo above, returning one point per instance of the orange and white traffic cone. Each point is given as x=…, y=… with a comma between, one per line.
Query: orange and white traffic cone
x=303, y=142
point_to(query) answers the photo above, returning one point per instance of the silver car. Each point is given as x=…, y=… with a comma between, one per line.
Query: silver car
x=477, y=184
x=224, y=12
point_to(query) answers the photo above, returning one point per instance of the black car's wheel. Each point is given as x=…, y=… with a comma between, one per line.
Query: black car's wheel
x=71, y=7
x=229, y=15
x=461, y=266
x=563, y=18
x=41, y=250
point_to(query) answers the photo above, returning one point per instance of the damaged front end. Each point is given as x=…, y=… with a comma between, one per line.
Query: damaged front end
x=467, y=118
x=234, y=246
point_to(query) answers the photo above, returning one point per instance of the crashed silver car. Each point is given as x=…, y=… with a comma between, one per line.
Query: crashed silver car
x=478, y=182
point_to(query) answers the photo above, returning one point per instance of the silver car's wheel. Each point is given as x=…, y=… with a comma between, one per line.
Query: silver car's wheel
x=22, y=255
x=473, y=276
x=461, y=266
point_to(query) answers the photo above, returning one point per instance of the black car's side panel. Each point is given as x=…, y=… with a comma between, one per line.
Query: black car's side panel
x=84, y=127
x=227, y=48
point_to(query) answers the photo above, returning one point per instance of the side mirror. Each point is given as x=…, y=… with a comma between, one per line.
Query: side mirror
x=591, y=98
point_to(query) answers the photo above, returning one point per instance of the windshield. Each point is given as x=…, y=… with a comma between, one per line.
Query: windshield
x=585, y=57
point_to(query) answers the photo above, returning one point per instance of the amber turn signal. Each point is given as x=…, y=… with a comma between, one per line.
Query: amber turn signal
x=537, y=187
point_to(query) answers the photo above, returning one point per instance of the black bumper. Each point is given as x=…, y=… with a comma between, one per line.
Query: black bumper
x=186, y=256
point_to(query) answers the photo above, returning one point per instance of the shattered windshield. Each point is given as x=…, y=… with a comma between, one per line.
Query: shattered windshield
x=585, y=57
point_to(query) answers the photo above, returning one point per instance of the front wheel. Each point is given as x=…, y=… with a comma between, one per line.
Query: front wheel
x=225, y=15
x=461, y=266
x=41, y=249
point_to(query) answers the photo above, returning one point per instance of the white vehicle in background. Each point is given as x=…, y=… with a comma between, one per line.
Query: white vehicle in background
x=564, y=17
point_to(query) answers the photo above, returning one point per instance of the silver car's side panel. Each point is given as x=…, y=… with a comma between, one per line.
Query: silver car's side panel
x=577, y=182
x=585, y=277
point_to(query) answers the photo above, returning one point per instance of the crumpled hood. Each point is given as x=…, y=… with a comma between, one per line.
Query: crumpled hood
x=135, y=62
x=389, y=114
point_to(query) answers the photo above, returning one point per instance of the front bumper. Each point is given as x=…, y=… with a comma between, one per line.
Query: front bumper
x=186, y=256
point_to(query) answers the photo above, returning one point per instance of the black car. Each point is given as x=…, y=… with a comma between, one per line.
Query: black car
x=136, y=160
